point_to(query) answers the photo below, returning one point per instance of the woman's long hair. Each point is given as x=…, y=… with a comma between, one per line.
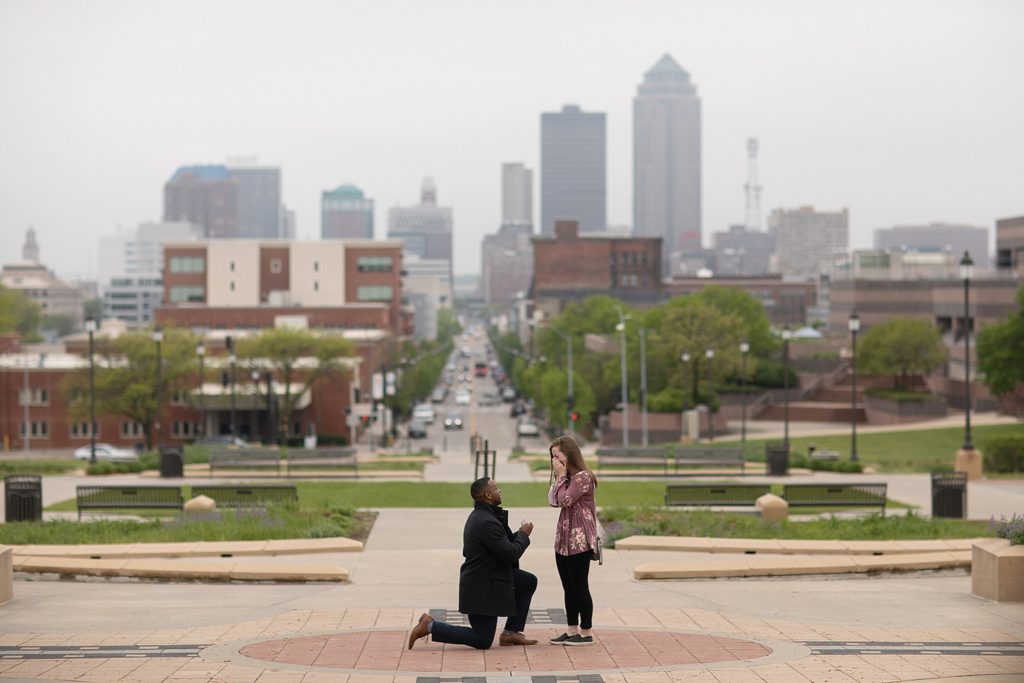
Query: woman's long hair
x=574, y=462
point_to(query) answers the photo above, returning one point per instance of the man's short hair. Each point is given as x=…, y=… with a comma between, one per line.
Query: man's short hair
x=478, y=487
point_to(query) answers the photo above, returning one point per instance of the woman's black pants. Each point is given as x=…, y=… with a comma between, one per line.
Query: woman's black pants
x=574, y=571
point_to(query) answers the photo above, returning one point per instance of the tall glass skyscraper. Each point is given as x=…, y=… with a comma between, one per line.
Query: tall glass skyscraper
x=573, y=179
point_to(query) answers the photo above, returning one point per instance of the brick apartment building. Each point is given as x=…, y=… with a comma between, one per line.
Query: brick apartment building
x=570, y=267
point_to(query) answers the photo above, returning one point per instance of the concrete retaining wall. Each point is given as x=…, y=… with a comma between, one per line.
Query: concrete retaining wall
x=881, y=411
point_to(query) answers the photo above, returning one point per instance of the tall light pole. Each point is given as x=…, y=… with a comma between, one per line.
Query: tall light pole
x=621, y=328
x=26, y=401
x=787, y=334
x=854, y=324
x=966, y=272
x=571, y=397
x=232, y=359
x=201, y=352
x=686, y=361
x=744, y=350
x=254, y=374
x=643, y=383
x=90, y=327
x=710, y=355
x=158, y=338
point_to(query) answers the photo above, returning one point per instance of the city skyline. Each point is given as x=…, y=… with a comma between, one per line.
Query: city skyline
x=850, y=111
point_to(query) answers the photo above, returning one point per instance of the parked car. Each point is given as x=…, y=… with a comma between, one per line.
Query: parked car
x=439, y=395
x=489, y=399
x=527, y=427
x=424, y=413
x=453, y=421
x=462, y=397
x=518, y=408
x=104, y=451
x=508, y=394
x=417, y=430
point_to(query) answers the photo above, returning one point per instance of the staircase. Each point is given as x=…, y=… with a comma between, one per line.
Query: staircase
x=827, y=402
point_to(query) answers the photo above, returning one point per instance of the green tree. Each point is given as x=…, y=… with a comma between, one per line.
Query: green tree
x=298, y=356
x=93, y=308
x=1001, y=357
x=447, y=325
x=126, y=377
x=420, y=372
x=901, y=347
x=19, y=314
x=61, y=323
x=756, y=327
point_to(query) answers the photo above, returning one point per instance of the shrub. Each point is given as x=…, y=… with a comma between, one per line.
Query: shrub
x=770, y=374
x=107, y=467
x=1004, y=454
x=847, y=466
x=1011, y=529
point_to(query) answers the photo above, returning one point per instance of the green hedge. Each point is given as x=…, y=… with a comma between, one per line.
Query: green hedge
x=1004, y=454
x=824, y=465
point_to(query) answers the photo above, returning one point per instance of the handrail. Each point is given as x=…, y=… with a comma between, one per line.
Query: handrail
x=828, y=379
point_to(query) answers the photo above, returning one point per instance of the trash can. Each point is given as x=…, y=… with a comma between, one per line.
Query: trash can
x=949, y=494
x=776, y=456
x=171, y=463
x=23, y=498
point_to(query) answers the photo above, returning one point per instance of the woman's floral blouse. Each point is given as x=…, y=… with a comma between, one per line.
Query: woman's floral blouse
x=577, y=523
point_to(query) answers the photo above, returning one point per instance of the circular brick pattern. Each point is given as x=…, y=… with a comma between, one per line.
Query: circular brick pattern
x=613, y=649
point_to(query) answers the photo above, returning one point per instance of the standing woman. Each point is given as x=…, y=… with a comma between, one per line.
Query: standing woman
x=572, y=489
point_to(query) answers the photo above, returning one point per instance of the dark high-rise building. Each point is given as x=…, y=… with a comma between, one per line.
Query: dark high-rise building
x=666, y=160
x=345, y=213
x=573, y=178
x=425, y=229
x=260, y=213
x=206, y=196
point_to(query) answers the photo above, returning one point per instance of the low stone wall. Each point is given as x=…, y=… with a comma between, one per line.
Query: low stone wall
x=882, y=411
x=6, y=573
x=661, y=427
x=997, y=570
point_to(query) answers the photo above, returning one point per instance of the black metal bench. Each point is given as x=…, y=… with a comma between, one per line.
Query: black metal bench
x=714, y=495
x=633, y=456
x=128, y=498
x=836, y=495
x=227, y=496
x=715, y=457
x=322, y=458
x=245, y=459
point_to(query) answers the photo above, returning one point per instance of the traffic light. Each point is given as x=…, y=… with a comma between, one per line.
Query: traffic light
x=574, y=416
x=365, y=419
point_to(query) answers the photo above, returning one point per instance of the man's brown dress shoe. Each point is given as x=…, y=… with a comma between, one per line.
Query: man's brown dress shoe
x=515, y=639
x=420, y=629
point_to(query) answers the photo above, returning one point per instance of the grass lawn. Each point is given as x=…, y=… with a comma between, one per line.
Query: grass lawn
x=61, y=466
x=621, y=522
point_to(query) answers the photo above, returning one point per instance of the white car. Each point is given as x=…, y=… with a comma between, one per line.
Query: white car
x=527, y=428
x=424, y=413
x=462, y=397
x=104, y=451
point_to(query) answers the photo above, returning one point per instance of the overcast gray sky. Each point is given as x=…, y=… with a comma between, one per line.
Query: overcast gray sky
x=903, y=111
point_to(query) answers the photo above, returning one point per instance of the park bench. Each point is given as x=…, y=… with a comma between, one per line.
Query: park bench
x=228, y=496
x=824, y=455
x=322, y=458
x=836, y=495
x=715, y=457
x=128, y=498
x=714, y=495
x=633, y=456
x=246, y=459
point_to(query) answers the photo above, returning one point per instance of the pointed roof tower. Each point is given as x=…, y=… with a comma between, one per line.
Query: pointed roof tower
x=666, y=76
x=30, y=250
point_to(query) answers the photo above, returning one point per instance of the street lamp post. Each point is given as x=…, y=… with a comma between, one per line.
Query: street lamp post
x=643, y=383
x=201, y=352
x=255, y=375
x=966, y=272
x=787, y=334
x=744, y=350
x=686, y=360
x=232, y=359
x=621, y=328
x=90, y=326
x=158, y=338
x=571, y=397
x=710, y=355
x=854, y=324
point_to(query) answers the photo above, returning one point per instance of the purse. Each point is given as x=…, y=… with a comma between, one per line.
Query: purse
x=597, y=554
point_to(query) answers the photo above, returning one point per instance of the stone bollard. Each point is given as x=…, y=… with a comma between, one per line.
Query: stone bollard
x=772, y=508
x=201, y=504
x=6, y=573
x=969, y=462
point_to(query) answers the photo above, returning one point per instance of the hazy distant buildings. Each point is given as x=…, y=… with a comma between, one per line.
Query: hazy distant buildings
x=132, y=299
x=138, y=253
x=260, y=212
x=666, y=159
x=345, y=213
x=424, y=229
x=31, y=278
x=206, y=196
x=1010, y=245
x=506, y=264
x=808, y=242
x=573, y=180
x=938, y=237
x=742, y=252
x=427, y=286
x=516, y=194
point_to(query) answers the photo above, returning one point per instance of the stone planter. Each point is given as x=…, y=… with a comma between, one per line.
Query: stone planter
x=6, y=573
x=997, y=570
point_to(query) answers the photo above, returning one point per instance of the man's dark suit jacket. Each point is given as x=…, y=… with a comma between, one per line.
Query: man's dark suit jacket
x=492, y=551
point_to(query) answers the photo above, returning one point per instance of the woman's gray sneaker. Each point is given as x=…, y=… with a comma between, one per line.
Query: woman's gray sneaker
x=577, y=639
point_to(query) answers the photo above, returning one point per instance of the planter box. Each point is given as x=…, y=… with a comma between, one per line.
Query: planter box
x=997, y=570
x=6, y=573
x=884, y=411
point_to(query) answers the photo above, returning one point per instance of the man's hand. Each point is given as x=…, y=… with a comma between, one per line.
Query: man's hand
x=526, y=528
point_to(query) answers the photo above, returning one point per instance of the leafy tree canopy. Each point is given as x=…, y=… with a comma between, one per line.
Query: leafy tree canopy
x=901, y=347
x=1001, y=353
x=19, y=314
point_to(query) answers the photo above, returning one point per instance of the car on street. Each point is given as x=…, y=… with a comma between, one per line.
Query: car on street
x=527, y=427
x=104, y=451
x=453, y=421
x=518, y=408
x=508, y=394
x=489, y=399
x=424, y=413
x=462, y=397
x=417, y=430
x=439, y=395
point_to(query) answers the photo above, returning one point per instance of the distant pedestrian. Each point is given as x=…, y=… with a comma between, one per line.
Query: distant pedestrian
x=573, y=488
x=491, y=584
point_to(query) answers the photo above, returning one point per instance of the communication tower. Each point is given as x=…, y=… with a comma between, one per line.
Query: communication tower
x=752, y=187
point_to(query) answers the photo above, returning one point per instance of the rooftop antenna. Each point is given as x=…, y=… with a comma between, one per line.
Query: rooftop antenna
x=752, y=187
